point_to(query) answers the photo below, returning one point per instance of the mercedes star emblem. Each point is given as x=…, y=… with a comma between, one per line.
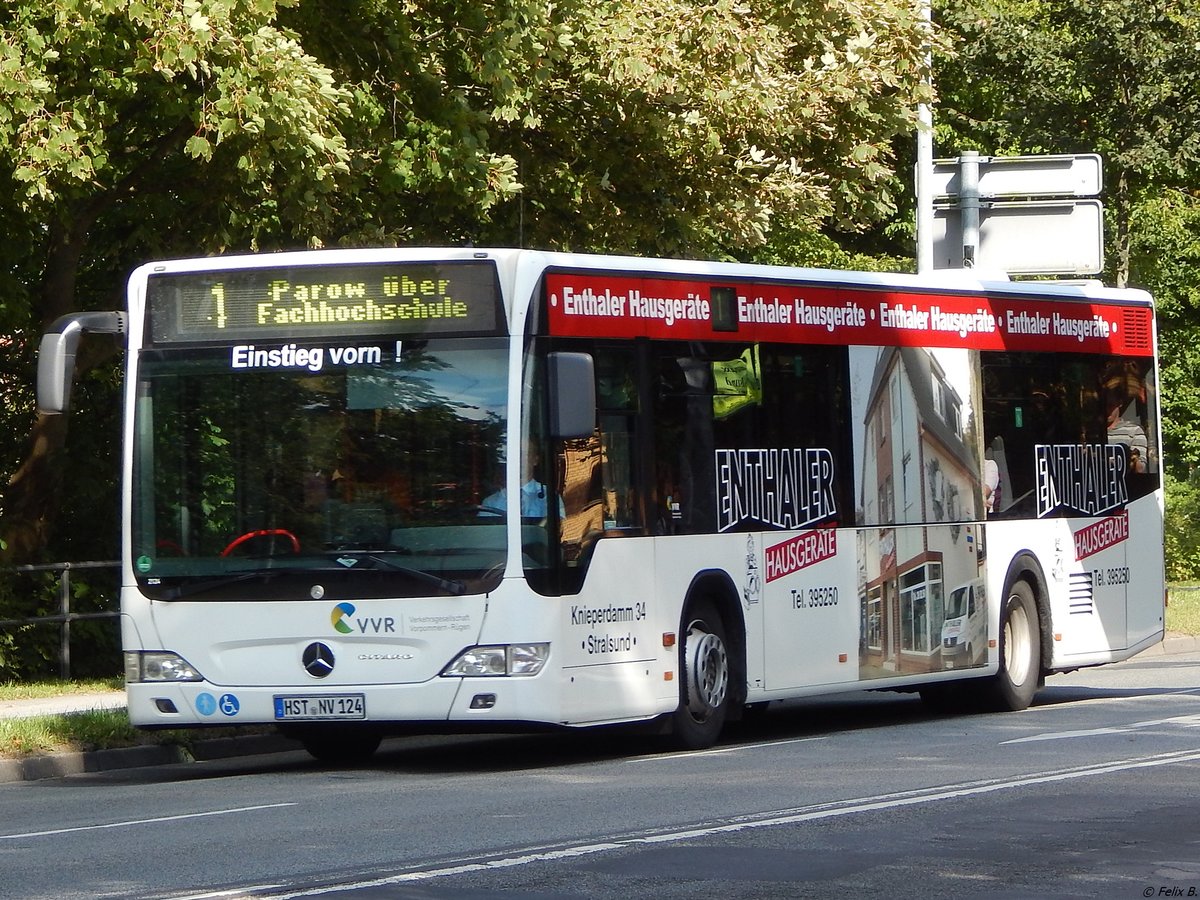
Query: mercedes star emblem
x=318, y=660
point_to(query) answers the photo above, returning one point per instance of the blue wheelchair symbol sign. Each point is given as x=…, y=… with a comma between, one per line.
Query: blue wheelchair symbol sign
x=206, y=704
x=229, y=704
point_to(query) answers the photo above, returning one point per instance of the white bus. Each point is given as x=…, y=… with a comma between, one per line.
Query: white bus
x=366, y=491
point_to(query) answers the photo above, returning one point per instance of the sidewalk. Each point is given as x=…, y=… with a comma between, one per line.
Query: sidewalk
x=55, y=765
x=1172, y=644
x=61, y=705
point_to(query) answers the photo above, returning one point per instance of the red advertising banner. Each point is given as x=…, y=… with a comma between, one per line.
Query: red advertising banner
x=800, y=552
x=604, y=305
x=1101, y=535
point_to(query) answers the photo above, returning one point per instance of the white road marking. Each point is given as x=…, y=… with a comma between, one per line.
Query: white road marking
x=746, y=823
x=1186, y=721
x=132, y=822
x=715, y=751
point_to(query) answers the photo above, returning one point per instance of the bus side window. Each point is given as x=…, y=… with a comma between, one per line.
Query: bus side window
x=598, y=475
x=618, y=405
x=1034, y=401
x=580, y=484
x=685, y=501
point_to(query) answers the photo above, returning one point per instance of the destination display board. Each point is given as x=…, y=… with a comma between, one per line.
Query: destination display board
x=313, y=302
x=615, y=305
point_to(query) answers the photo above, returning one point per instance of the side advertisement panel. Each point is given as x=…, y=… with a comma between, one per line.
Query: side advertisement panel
x=810, y=608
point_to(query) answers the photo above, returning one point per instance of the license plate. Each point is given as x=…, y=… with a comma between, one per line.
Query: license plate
x=321, y=706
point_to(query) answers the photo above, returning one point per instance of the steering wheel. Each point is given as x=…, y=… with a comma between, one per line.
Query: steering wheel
x=263, y=532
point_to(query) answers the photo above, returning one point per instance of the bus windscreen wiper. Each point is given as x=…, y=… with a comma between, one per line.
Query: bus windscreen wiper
x=348, y=558
x=212, y=584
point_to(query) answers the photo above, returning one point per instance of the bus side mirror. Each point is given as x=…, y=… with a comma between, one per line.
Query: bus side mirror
x=572, y=380
x=56, y=355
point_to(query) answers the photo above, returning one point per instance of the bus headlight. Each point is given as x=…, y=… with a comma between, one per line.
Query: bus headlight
x=158, y=666
x=527, y=659
x=499, y=660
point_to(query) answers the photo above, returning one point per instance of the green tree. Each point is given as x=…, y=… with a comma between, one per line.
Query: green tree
x=1182, y=537
x=673, y=127
x=1116, y=77
x=1165, y=259
x=432, y=83
x=1121, y=78
x=670, y=127
x=131, y=129
x=135, y=127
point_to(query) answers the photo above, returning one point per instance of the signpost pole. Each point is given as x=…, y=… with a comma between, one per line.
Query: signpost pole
x=924, y=174
x=968, y=204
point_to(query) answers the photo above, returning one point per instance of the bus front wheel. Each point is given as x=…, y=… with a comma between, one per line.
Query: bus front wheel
x=339, y=746
x=705, y=675
x=1014, y=685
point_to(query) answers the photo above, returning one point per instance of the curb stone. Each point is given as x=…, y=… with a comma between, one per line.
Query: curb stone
x=57, y=765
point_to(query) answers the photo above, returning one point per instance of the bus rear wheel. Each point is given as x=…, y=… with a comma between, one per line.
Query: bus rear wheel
x=705, y=676
x=1013, y=687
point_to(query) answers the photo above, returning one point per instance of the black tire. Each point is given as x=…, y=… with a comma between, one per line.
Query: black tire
x=1012, y=688
x=340, y=746
x=704, y=678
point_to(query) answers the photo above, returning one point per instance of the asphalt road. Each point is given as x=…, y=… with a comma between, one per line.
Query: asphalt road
x=1093, y=792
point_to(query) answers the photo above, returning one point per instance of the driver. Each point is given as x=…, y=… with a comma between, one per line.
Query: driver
x=533, y=492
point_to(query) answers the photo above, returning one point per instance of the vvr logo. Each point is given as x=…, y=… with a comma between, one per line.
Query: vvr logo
x=344, y=622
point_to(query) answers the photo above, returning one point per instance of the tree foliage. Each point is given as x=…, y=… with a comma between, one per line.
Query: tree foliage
x=135, y=128
x=1182, y=535
x=682, y=128
x=131, y=129
x=1116, y=77
x=1120, y=78
x=666, y=127
x=1165, y=259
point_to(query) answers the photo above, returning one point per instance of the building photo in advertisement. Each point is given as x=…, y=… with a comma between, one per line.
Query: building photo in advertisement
x=919, y=485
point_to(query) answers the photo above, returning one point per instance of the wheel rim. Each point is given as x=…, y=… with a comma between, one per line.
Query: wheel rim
x=1016, y=644
x=707, y=672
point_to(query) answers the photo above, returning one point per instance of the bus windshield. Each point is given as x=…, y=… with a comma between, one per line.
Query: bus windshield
x=321, y=472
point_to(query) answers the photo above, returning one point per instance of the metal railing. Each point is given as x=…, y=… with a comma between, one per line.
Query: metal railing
x=65, y=617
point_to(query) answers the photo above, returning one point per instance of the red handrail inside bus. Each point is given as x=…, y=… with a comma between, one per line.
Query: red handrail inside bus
x=263, y=532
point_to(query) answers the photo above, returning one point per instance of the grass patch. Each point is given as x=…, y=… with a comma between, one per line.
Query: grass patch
x=1183, y=608
x=97, y=729
x=93, y=729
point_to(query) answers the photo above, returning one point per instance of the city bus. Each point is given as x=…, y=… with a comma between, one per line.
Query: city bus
x=393, y=490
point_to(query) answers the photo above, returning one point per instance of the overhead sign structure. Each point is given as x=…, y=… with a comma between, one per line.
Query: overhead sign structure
x=1046, y=237
x=981, y=226
x=1058, y=175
